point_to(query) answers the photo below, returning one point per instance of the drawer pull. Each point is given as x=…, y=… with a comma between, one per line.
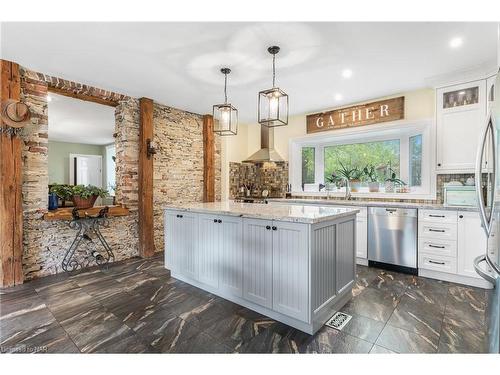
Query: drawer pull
x=437, y=230
x=437, y=216
x=434, y=262
x=436, y=246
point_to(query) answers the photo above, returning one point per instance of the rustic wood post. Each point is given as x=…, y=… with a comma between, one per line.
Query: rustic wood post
x=208, y=159
x=146, y=232
x=11, y=209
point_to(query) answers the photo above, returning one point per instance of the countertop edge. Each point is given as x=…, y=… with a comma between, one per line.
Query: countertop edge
x=324, y=202
x=263, y=216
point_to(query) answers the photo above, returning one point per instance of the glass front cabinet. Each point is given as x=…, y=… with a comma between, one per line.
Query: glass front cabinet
x=460, y=117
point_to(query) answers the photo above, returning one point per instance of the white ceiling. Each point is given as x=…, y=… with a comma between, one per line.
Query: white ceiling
x=178, y=63
x=77, y=121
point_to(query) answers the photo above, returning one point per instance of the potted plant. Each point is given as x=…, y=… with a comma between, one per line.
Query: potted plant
x=371, y=174
x=355, y=181
x=85, y=196
x=392, y=181
x=63, y=191
x=333, y=181
x=352, y=176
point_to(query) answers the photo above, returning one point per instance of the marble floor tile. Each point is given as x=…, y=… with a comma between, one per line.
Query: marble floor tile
x=376, y=349
x=329, y=340
x=135, y=306
x=402, y=341
x=463, y=339
x=420, y=321
x=363, y=328
x=201, y=343
x=372, y=303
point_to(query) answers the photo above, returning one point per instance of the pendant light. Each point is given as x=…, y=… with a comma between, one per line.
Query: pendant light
x=273, y=103
x=225, y=115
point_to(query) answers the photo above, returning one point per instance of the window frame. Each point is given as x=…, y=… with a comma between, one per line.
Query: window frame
x=401, y=130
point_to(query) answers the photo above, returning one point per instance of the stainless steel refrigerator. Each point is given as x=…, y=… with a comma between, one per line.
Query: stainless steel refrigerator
x=488, y=191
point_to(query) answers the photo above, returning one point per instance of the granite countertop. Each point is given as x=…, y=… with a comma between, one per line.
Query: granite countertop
x=339, y=202
x=308, y=214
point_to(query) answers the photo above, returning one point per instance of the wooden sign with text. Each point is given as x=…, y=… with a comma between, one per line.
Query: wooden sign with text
x=359, y=115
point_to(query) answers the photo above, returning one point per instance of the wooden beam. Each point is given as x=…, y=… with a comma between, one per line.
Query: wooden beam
x=146, y=229
x=73, y=93
x=65, y=213
x=11, y=210
x=208, y=159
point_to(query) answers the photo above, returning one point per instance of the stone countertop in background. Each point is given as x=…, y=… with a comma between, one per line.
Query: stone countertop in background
x=308, y=214
x=339, y=202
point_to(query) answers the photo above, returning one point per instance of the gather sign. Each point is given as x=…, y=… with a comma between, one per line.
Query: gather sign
x=359, y=115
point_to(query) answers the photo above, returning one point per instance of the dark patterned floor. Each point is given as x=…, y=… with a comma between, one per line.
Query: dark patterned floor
x=135, y=307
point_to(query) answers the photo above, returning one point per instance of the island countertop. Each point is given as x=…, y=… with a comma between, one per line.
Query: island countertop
x=281, y=212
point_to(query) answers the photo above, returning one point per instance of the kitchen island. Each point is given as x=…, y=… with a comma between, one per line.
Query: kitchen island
x=293, y=263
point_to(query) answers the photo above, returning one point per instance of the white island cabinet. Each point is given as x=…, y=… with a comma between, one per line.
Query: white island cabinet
x=295, y=264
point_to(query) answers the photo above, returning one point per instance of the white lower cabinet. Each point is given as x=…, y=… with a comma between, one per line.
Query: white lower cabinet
x=258, y=261
x=210, y=241
x=448, y=243
x=231, y=256
x=472, y=243
x=290, y=269
x=361, y=237
x=181, y=253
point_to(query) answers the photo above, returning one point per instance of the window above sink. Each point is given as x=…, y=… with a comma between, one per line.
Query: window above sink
x=403, y=148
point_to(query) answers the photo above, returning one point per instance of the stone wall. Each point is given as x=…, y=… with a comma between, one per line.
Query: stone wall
x=178, y=173
x=178, y=162
x=272, y=176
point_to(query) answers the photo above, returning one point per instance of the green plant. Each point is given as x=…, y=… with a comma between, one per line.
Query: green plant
x=63, y=191
x=88, y=191
x=356, y=174
x=371, y=173
x=393, y=178
x=334, y=178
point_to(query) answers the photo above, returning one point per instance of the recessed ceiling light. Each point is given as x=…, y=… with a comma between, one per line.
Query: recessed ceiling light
x=456, y=42
x=347, y=73
x=338, y=97
x=49, y=98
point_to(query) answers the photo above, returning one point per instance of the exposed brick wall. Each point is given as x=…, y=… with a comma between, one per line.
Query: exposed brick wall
x=178, y=173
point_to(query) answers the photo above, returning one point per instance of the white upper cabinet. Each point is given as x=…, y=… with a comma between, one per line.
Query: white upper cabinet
x=460, y=116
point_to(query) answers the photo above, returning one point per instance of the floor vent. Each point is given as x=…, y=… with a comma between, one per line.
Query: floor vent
x=339, y=320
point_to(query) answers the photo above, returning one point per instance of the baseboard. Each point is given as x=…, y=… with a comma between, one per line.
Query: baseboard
x=459, y=279
x=362, y=261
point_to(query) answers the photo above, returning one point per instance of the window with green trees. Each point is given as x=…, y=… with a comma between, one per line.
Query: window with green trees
x=415, y=143
x=381, y=154
x=308, y=165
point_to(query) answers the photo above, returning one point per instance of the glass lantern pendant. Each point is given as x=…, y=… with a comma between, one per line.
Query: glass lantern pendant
x=273, y=103
x=225, y=115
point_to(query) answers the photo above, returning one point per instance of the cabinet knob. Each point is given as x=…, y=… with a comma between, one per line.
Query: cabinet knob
x=179, y=216
x=461, y=216
x=268, y=227
x=439, y=164
x=215, y=220
x=219, y=221
x=274, y=228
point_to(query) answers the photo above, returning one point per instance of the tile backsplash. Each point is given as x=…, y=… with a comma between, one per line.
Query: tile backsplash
x=272, y=176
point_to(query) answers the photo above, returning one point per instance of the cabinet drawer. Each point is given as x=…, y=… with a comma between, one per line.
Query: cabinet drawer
x=440, y=231
x=438, y=216
x=432, y=246
x=437, y=263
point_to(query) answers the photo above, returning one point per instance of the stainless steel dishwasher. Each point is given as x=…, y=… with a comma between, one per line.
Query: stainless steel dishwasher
x=392, y=238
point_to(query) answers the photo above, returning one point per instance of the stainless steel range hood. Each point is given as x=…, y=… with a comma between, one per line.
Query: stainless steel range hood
x=267, y=151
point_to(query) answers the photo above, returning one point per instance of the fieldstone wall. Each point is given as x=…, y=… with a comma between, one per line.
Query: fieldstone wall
x=178, y=162
x=178, y=173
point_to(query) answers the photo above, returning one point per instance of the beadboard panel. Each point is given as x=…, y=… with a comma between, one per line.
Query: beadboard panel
x=323, y=264
x=257, y=261
x=345, y=262
x=231, y=256
x=290, y=269
x=208, y=249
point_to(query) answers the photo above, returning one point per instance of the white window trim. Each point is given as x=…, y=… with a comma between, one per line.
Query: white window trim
x=401, y=130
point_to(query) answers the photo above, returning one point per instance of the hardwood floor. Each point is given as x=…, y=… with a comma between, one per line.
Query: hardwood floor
x=136, y=307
